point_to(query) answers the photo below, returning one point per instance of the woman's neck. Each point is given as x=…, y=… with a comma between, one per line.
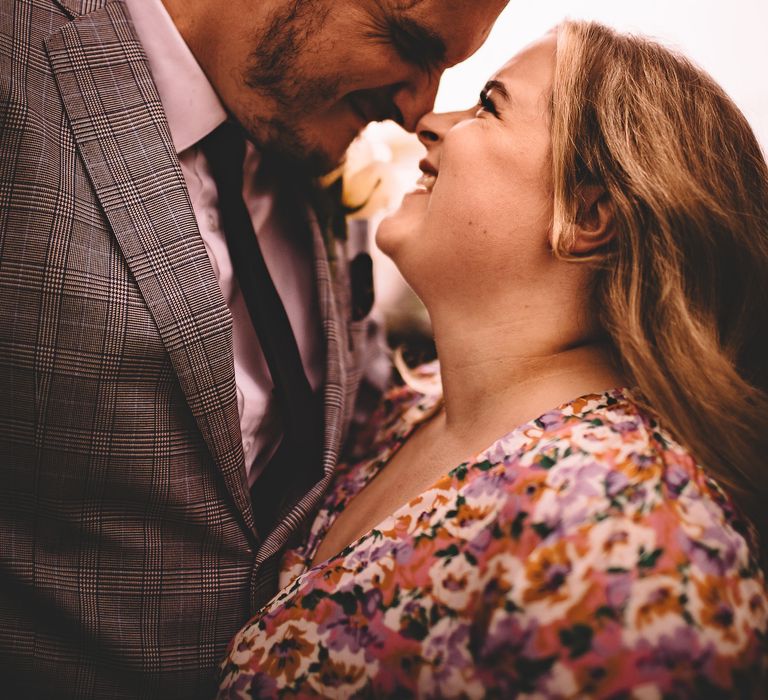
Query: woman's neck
x=514, y=371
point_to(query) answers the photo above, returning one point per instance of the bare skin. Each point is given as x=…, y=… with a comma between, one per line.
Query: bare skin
x=461, y=430
x=304, y=78
x=512, y=322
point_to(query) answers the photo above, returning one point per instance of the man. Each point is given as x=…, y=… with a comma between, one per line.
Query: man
x=143, y=406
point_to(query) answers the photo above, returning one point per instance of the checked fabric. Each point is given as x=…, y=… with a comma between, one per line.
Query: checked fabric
x=298, y=458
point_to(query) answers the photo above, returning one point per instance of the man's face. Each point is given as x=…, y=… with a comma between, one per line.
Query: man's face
x=305, y=76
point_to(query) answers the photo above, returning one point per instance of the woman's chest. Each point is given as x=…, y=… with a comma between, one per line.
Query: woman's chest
x=413, y=469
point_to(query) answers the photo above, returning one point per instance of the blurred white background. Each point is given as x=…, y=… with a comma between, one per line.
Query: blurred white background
x=728, y=38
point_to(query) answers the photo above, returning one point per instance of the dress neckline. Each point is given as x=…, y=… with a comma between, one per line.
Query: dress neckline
x=422, y=408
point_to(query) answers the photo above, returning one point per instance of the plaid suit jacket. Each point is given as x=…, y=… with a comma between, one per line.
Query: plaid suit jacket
x=128, y=553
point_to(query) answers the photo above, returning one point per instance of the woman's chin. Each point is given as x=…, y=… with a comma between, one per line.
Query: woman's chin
x=401, y=225
x=389, y=232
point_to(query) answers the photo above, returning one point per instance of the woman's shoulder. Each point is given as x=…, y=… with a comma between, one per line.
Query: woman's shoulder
x=615, y=429
x=610, y=535
x=604, y=459
x=611, y=432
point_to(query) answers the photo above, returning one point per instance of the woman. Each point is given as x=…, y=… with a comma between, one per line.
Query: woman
x=598, y=222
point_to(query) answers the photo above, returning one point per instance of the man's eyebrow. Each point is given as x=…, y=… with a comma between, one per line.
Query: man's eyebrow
x=416, y=42
x=499, y=87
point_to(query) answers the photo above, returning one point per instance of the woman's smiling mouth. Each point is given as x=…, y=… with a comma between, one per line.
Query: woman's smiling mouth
x=426, y=182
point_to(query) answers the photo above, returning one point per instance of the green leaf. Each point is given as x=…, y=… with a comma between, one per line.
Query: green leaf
x=529, y=670
x=459, y=472
x=542, y=529
x=415, y=630
x=606, y=611
x=517, y=524
x=312, y=598
x=450, y=551
x=648, y=559
x=347, y=601
x=578, y=639
x=546, y=462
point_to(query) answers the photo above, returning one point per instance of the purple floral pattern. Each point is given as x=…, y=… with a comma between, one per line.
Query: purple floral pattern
x=584, y=554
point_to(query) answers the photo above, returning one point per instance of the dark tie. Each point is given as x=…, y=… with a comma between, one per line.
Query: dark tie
x=296, y=465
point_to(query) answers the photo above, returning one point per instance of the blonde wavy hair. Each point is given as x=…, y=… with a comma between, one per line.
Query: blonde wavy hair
x=682, y=289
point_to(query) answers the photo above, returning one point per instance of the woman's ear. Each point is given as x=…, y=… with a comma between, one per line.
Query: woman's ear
x=594, y=225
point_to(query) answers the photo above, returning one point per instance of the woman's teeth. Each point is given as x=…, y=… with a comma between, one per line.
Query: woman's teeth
x=427, y=181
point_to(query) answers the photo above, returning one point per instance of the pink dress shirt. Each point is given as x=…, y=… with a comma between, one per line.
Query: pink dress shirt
x=194, y=110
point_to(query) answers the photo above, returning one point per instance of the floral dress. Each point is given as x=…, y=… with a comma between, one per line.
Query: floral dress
x=584, y=554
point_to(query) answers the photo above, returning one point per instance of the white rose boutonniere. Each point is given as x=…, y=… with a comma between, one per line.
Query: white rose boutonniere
x=376, y=171
x=347, y=198
x=380, y=166
x=366, y=177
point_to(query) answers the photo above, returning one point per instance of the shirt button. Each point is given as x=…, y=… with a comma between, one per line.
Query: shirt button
x=247, y=446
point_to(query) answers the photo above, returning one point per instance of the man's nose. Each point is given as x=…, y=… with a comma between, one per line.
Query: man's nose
x=429, y=130
x=414, y=99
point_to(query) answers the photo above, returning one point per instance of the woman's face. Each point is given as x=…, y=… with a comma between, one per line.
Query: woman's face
x=483, y=209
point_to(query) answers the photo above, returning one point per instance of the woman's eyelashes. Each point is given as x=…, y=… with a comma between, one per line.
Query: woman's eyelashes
x=487, y=104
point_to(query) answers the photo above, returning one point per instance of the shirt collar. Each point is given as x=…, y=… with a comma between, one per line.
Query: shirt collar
x=191, y=105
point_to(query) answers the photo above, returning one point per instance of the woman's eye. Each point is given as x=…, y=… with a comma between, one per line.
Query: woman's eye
x=487, y=103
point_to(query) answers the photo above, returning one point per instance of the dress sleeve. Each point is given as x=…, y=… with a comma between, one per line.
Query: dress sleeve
x=607, y=586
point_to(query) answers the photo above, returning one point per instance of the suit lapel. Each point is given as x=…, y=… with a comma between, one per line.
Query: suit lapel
x=122, y=135
x=336, y=392
x=336, y=379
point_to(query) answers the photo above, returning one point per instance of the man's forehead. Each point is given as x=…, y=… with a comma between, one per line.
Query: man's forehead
x=462, y=25
x=444, y=6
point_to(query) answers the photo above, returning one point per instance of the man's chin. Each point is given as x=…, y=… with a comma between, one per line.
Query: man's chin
x=299, y=165
x=321, y=163
x=321, y=160
x=309, y=152
x=312, y=162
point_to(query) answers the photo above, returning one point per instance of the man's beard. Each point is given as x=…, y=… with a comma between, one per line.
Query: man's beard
x=285, y=142
x=274, y=72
